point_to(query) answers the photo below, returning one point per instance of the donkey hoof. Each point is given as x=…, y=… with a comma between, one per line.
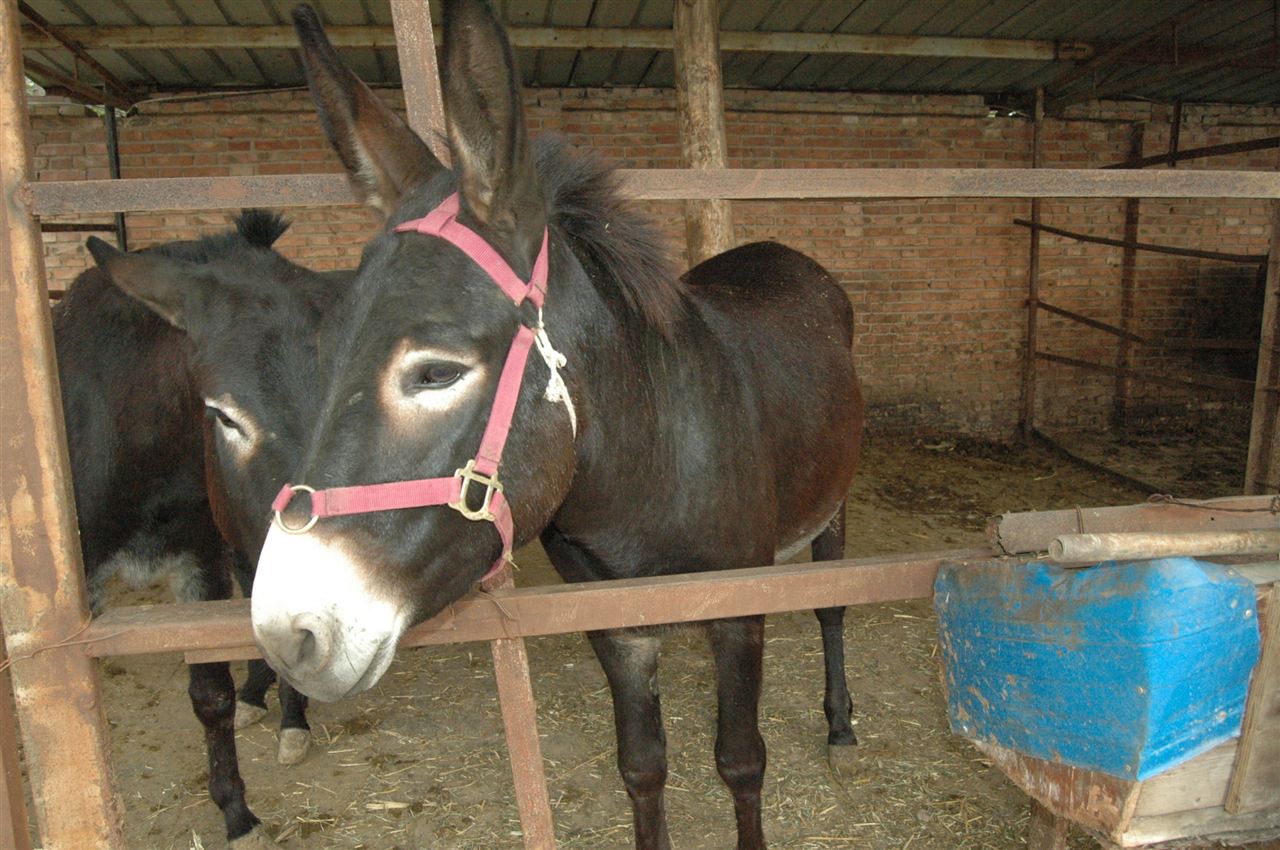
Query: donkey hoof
x=255, y=839
x=294, y=746
x=843, y=759
x=247, y=715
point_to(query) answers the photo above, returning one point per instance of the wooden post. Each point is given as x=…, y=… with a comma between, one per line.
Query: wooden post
x=1046, y=831
x=1256, y=775
x=700, y=105
x=14, y=834
x=415, y=44
x=42, y=594
x=1261, y=467
x=1028, y=423
x=420, y=77
x=1128, y=296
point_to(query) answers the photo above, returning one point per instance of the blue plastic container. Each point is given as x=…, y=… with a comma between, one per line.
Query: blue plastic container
x=1124, y=668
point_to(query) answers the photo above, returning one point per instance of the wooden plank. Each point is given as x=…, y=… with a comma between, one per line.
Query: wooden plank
x=83, y=197
x=1266, y=406
x=1094, y=800
x=1200, y=783
x=223, y=627
x=1015, y=533
x=700, y=109
x=1214, y=823
x=570, y=38
x=42, y=594
x=1255, y=785
x=14, y=834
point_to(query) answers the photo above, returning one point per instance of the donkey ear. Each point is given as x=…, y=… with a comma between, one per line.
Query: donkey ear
x=491, y=150
x=383, y=157
x=164, y=284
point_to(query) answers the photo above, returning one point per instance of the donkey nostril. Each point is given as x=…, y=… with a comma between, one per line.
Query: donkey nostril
x=311, y=641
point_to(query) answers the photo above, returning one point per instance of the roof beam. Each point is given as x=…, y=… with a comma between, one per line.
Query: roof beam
x=47, y=29
x=76, y=88
x=573, y=38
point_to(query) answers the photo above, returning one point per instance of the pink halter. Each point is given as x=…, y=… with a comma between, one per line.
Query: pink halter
x=481, y=470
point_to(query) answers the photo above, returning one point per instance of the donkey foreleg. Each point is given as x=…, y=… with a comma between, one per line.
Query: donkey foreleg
x=213, y=698
x=738, y=646
x=630, y=662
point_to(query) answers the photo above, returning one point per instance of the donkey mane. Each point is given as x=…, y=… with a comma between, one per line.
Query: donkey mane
x=254, y=228
x=584, y=203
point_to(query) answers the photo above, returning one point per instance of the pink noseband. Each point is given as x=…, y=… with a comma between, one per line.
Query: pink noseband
x=482, y=470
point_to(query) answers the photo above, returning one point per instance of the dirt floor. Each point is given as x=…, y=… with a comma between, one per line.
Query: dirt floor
x=419, y=761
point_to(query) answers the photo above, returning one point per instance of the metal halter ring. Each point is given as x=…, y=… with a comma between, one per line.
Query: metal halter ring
x=280, y=523
x=491, y=485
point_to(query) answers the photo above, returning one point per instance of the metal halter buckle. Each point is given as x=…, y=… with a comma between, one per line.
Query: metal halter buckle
x=303, y=529
x=492, y=485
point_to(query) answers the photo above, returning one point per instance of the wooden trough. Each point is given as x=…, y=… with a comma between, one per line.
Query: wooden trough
x=1231, y=793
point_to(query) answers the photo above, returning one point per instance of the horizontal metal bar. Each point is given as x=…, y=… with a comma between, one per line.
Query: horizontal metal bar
x=310, y=190
x=1224, y=385
x=1253, y=259
x=1186, y=344
x=221, y=630
x=573, y=38
x=1198, y=153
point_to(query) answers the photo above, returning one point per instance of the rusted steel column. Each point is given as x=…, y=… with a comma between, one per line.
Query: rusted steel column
x=1028, y=418
x=1262, y=465
x=1128, y=294
x=520, y=719
x=419, y=74
x=13, y=803
x=700, y=105
x=42, y=596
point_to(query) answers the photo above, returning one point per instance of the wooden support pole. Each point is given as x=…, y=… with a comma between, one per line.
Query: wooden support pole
x=1123, y=385
x=1260, y=468
x=415, y=44
x=1046, y=831
x=416, y=48
x=42, y=593
x=14, y=834
x=1028, y=423
x=700, y=105
x=1145, y=545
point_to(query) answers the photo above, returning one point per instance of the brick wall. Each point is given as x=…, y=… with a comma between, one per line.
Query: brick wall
x=938, y=286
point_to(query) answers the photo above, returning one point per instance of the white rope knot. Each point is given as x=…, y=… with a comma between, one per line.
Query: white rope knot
x=557, y=391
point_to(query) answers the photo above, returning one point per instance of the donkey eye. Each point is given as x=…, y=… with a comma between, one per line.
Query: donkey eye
x=435, y=376
x=223, y=419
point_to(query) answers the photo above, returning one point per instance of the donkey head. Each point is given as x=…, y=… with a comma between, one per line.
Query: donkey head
x=251, y=316
x=413, y=367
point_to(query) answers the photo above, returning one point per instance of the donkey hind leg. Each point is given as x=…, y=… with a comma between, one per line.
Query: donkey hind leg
x=295, y=732
x=738, y=646
x=213, y=699
x=836, y=704
x=251, y=701
x=251, y=704
x=630, y=662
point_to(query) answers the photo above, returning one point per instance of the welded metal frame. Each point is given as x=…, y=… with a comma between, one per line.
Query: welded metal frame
x=42, y=597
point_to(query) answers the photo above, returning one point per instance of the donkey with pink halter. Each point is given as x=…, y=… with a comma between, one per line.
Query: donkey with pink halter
x=670, y=424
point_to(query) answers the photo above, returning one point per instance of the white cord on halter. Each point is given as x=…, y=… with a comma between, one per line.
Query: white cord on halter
x=556, y=389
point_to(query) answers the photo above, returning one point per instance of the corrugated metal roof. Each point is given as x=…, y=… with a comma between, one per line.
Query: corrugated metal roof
x=1241, y=35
